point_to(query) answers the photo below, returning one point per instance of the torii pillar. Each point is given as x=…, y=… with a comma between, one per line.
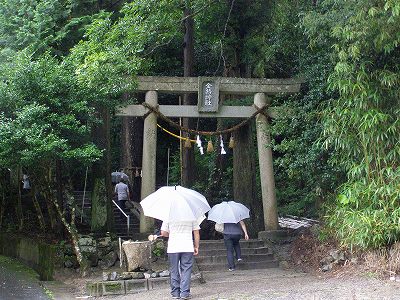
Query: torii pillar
x=149, y=159
x=266, y=166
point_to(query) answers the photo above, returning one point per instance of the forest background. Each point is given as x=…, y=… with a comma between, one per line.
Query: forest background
x=66, y=66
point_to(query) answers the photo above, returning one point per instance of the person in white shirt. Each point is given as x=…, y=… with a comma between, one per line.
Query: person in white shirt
x=183, y=244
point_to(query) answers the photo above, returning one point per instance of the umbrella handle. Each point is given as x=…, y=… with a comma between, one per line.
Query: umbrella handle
x=153, y=237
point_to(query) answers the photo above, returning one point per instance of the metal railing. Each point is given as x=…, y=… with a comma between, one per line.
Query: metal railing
x=126, y=216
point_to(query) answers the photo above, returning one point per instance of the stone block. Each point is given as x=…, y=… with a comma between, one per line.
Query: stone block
x=113, y=287
x=158, y=282
x=136, y=286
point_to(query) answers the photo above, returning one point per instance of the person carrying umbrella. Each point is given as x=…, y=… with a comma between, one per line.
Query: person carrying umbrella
x=122, y=192
x=181, y=249
x=181, y=211
x=231, y=214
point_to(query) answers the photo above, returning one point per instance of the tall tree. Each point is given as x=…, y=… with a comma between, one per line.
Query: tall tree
x=188, y=163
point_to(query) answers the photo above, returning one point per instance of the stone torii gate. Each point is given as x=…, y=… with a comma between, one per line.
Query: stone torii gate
x=209, y=89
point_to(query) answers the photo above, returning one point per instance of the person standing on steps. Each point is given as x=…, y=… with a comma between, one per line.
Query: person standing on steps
x=122, y=192
x=232, y=234
x=183, y=244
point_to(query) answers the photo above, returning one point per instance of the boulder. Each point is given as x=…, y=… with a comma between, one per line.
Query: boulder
x=326, y=260
x=137, y=275
x=164, y=273
x=126, y=275
x=87, y=241
x=137, y=254
x=70, y=261
x=92, y=258
x=114, y=276
x=106, y=276
x=326, y=268
x=108, y=260
x=104, y=242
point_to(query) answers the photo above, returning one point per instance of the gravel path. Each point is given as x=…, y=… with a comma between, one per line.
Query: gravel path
x=278, y=284
x=269, y=284
x=19, y=282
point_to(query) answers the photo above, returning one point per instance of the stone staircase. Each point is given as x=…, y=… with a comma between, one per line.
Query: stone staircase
x=255, y=255
x=120, y=223
x=121, y=228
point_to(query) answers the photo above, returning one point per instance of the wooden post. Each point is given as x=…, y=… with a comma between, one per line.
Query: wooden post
x=149, y=159
x=266, y=167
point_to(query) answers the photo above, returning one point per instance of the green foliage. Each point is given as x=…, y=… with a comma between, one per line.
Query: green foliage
x=205, y=168
x=40, y=25
x=43, y=117
x=303, y=177
x=362, y=123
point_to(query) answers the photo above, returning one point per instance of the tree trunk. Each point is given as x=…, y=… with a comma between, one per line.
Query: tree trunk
x=59, y=192
x=2, y=207
x=188, y=161
x=70, y=226
x=109, y=191
x=131, y=156
x=244, y=180
x=244, y=166
x=216, y=185
x=99, y=206
x=4, y=191
x=47, y=191
x=16, y=196
x=39, y=213
x=102, y=176
x=73, y=232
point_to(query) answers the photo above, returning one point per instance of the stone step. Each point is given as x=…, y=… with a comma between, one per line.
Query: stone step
x=123, y=224
x=241, y=266
x=201, y=260
x=245, y=251
x=219, y=244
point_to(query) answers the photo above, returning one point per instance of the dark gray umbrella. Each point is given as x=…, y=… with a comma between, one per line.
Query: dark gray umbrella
x=116, y=177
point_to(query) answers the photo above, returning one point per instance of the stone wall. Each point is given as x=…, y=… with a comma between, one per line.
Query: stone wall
x=101, y=252
x=37, y=255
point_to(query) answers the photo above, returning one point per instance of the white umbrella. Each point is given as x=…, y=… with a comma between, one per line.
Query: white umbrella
x=228, y=212
x=175, y=204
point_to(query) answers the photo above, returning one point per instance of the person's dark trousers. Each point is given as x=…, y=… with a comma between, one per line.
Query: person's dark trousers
x=121, y=204
x=180, y=265
x=232, y=244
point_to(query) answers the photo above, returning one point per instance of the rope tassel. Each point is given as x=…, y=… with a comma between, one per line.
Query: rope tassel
x=187, y=143
x=210, y=147
x=231, y=142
